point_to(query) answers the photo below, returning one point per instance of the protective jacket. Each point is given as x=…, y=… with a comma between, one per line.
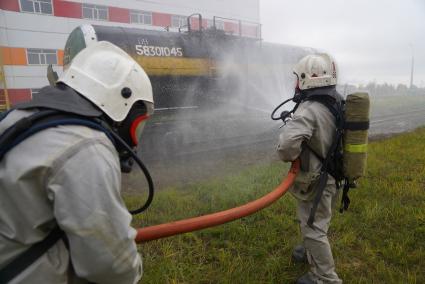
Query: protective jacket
x=66, y=176
x=310, y=133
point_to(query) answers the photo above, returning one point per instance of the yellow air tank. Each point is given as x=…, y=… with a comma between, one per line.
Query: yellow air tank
x=356, y=127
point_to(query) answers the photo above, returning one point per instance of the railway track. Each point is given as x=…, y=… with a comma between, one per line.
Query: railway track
x=380, y=125
x=397, y=122
x=215, y=158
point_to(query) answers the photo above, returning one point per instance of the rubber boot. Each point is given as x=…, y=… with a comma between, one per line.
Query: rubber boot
x=305, y=279
x=299, y=254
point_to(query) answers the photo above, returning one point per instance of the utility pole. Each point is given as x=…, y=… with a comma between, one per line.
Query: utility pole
x=412, y=68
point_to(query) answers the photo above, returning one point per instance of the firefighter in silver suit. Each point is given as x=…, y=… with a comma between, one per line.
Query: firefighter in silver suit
x=68, y=177
x=308, y=136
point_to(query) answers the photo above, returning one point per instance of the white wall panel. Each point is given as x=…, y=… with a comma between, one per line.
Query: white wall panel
x=35, y=36
x=19, y=38
x=2, y=18
x=29, y=71
x=23, y=77
x=10, y=82
x=73, y=23
x=3, y=37
x=242, y=9
x=26, y=82
x=35, y=22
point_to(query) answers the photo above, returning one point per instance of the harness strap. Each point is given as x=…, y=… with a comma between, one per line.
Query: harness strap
x=345, y=200
x=24, y=260
x=356, y=125
x=28, y=126
x=323, y=178
x=320, y=185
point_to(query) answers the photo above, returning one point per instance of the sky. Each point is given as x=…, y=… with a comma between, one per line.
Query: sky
x=371, y=40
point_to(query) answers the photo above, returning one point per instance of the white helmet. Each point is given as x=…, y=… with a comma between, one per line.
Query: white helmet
x=109, y=78
x=316, y=70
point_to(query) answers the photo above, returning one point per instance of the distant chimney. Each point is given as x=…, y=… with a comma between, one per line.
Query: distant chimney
x=411, y=71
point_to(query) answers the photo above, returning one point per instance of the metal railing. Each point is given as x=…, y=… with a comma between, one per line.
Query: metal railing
x=218, y=21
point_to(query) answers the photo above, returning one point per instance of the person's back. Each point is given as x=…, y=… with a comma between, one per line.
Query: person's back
x=51, y=174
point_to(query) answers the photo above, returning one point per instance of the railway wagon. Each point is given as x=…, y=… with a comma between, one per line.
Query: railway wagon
x=204, y=81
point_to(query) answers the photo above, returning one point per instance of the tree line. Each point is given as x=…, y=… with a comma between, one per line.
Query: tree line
x=384, y=89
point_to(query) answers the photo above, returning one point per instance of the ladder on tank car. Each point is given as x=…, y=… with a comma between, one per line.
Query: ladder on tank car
x=218, y=24
x=4, y=96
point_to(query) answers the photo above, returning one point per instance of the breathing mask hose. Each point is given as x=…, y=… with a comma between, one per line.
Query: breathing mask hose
x=277, y=108
x=144, y=170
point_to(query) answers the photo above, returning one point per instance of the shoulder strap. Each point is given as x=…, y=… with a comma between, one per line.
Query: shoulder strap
x=334, y=106
x=41, y=120
x=323, y=178
x=24, y=260
x=4, y=114
x=336, y=110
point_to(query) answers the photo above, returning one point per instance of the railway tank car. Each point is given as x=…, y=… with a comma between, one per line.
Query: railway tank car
x=204, y=81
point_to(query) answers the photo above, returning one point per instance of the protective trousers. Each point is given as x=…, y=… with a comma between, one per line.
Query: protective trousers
x=319, y=254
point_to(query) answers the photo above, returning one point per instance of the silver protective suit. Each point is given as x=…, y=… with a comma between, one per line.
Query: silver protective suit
x=313, y=125
x=67, y=176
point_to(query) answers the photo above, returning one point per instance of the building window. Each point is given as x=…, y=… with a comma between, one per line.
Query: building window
x=140, y=17
x=37, y=6
x=95, y=12
x=178, y=21
x=41, y=56
x=35, y=91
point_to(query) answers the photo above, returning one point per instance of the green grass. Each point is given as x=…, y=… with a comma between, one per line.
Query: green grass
x=381, y=239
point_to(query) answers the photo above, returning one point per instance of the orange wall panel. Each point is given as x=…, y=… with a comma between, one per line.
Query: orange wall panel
x=60, y=57
x=14, y=56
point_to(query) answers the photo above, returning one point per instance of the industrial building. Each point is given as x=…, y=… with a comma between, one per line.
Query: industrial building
x=33, y=32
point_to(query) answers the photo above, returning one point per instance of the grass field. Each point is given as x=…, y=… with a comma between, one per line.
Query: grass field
x=381, y=239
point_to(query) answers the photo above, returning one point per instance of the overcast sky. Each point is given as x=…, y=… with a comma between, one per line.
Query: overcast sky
x=371, y=40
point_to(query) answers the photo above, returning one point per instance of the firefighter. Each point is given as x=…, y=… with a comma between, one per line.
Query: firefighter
x=309, y=136
x=62, y=219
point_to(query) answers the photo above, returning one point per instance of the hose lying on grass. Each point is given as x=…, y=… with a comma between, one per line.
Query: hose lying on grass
x=193, y=224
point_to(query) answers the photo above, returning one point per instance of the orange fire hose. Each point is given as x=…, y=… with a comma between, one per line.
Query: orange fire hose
x=188, y=225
